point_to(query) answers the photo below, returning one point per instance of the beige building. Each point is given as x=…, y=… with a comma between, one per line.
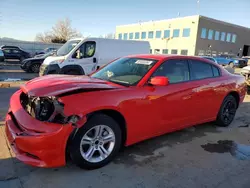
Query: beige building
x=192, y=35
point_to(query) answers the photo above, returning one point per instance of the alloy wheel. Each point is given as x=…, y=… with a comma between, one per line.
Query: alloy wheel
x=97, y=144
x=228, y=112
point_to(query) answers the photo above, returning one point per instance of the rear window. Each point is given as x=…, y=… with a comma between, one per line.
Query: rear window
x=200, y=70
x=216, y=71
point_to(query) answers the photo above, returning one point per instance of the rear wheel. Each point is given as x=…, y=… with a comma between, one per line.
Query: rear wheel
x=96, y=143
x=35, y=68
x=227, y=111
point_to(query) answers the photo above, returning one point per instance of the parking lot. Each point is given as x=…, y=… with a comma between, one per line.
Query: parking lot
x=201, y=156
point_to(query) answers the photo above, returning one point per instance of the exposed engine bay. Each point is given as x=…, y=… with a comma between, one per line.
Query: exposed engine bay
x=44, y=108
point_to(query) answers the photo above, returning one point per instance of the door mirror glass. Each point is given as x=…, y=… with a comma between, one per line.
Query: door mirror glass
x=159, y=81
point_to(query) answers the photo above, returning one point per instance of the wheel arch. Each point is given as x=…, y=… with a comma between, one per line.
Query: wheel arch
x=236, y=95
x=118, y=117
x=72, y=67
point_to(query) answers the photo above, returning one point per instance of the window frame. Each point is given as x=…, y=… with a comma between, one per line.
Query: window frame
x=230, y=37
x=211, y=65
x=125, y=34
x=186, y=30
x=157, y=33
x=217, y=32
x=150, y=34
x=83, y=57
x=181, y=59
x=205, y=34
x=210, y=32
x=131, y=36
x=223, y=36
x=137, y=33
x=145, y=34
x=120, y=36
x=167, y=31
x=177, y=30
x=234, y=36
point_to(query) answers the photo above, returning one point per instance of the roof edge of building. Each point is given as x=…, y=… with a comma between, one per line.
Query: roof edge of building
x=148, y=22
x=223, y=22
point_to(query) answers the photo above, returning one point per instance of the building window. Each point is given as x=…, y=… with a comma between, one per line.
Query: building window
x=165, y=51
x=234, y=38
x=137, y=35
x=176, y=33
x=174, y=51
x=217, y=35
x=151, y=34
x=166, y=33
x=184, y=52
x=157, y=51
x=223, y=35
x=158, y=34
x=228, y=37
x=125, y=36
x=150, y=51
x=131, y=35
x=210, y=34
x=120, y=36
x=186, y=32
x=203, y=33
x=143, y=35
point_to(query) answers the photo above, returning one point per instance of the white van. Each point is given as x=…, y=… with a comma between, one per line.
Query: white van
x=82, y=56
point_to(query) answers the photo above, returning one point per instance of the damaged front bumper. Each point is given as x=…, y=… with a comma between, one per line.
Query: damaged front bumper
x=34, y=142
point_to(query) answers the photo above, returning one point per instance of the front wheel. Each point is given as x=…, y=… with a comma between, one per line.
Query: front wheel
x=35, y=68
x=96, y=143
x=227, y=111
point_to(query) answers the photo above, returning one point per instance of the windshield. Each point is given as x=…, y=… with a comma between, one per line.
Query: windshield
x=67, y=47
x=125, y=71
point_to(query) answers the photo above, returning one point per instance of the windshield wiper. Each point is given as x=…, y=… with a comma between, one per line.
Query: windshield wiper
x=124, y=83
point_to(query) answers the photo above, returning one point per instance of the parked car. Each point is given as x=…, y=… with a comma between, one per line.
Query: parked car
x=8, y=46
x=85, y=55
x=14, y=53
x=1, y=55
x=32, y=65
x=126, y=101
x=46, y=50
x=231, y=61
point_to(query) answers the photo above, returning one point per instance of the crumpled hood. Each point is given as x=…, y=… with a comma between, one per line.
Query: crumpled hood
x=53, y=85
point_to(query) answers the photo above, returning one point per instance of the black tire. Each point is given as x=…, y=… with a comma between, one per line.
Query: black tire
x=231, y=64
x=248, y=90
x=227, y=111
x=97, y=119
x=35, y=68
x=73, y=72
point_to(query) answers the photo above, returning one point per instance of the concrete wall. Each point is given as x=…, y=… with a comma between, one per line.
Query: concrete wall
x=30, y=47
x=218, y=46
x=180, y=43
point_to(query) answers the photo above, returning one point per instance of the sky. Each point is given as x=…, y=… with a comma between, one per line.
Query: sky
x=23, y=19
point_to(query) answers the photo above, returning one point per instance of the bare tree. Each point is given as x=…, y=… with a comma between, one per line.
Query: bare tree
x=44, y=37
x=62, y=31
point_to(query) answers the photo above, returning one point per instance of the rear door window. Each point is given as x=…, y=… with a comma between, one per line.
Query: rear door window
x=200, y=70
x=175, y=70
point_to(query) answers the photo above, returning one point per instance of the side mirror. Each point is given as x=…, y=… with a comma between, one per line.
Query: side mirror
x=159, y=81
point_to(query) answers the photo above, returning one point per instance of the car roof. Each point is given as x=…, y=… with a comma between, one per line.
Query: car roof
x=164, y=56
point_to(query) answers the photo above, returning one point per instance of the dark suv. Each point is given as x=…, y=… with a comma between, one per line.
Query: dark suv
x=12, y=52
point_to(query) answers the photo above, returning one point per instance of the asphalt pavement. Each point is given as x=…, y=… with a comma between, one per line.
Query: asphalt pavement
x=202, y=156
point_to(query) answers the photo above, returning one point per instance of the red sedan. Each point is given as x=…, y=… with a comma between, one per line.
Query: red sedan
x=129, y=100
